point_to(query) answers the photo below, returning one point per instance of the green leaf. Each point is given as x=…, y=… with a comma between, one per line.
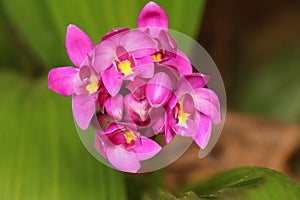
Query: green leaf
x=43, y=23
x=31, y=19
x=41, y=154
x=249, y=183
x=162, y=195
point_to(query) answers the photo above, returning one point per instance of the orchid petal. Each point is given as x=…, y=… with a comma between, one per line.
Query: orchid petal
x=169, y=133
x=78, y=45
x=100, y=144
x=138, y=43
x=122, y=53
x=103, y=122
x=137, y=88
x=193, y=81
x=168, y=45
x=137, y=111
x=152, y=15
x=104, y=55
x=113, y=127
x=181, y=63
x=207, y=102
x=159, y=125
x=158, y=90
x=147, y=149
x=114, y=32
x=186, y=131
x=83, y=107
x=62, y=79
x=144, y=68
x=170, y=71
x=172, y=101
x=188, y=104
x=101, y=100
x=112, y=81
x=203, y=131
x=114, y=106
x=122, y=160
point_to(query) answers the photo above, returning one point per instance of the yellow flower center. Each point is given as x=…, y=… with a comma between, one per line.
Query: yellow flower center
x=125, y=67
x=129, y=136
x=181, y=115
x=157, y=57
x=93, y=85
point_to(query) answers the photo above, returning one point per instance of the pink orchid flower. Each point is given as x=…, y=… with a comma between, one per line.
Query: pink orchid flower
x=192, y=109
x=154, y=21
x=145, y=104
x=81, y=82
x=124, y=147
x=123, y=55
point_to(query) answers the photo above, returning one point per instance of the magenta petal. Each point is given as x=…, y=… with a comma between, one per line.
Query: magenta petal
x=170, y=71
x=181, y=63
x=172, y=101
x=112, y=81
x=147, y=149
x=137, y=111
x=158, y=126
x=207, y=102
x=78, y=44
x=138, y=43
x=113, y=127
x=169, y=133
x=186, y=131
x=62, y=79
x=104, y=55
x=193, y=81
x=158, y=90
x=114, y=32
x=152, y=15
x=100, y=144
x=166, y=42
x=188, y=104
x=145, y=68
x=137, y=88
x=114, y=107
x=203, y=131
x=83, y=107
x=123, y=160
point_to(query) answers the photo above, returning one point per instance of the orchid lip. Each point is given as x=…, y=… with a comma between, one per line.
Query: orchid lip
x=181, y=115
x=125, y=66
x=157, y=56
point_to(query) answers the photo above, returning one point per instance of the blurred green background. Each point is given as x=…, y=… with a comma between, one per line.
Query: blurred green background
x=256, y=46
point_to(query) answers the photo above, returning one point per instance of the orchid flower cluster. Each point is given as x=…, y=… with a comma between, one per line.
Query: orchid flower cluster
x=137, y=85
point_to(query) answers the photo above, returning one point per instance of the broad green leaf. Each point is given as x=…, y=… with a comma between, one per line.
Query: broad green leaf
x=43, y=23
x=31, y=19
x=249, y=183
x=41, y=154
x=162, y=195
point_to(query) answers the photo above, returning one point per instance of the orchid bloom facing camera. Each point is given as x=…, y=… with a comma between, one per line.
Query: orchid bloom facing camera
x=81, y=81
x=124, y=147
x=123, y=55
x=192, y=110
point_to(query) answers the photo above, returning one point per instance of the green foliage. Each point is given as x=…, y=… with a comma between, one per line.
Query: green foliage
x=250, y=183
x=271, y=88
x=43, y=23
x=162, y=195
x=41, y=155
